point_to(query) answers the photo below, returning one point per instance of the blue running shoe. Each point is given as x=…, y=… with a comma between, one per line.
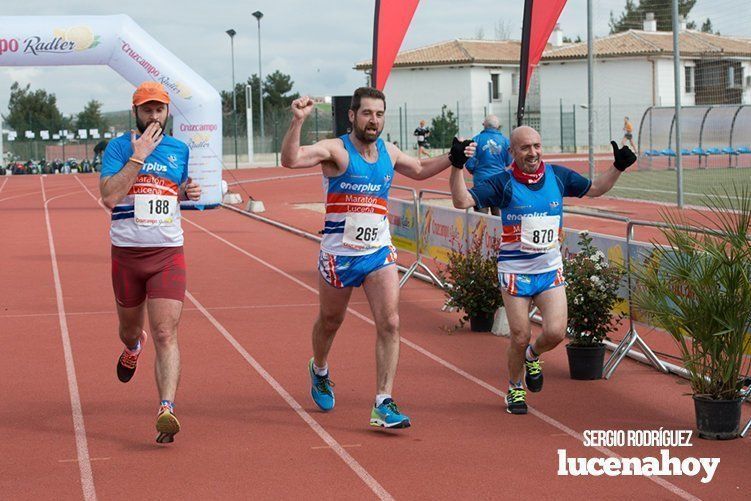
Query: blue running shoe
x=387, y=415
x=321, y=389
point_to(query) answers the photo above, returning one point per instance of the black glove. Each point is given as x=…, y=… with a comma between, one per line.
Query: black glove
x=456, y=155
x=624, y=157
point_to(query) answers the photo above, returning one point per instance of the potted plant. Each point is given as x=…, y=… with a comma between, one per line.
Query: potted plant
x=698, y=288
x=591, y=292
x=471, y=278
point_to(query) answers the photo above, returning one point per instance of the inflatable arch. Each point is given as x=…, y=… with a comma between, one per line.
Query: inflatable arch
x=118, y=42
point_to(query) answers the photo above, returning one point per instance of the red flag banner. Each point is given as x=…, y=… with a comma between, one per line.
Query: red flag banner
x=540, y=17
x=392, y=18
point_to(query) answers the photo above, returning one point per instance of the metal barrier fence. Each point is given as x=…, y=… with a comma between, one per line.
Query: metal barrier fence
x=632, y=337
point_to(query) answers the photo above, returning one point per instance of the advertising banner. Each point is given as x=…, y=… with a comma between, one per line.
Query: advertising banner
x=118, y=42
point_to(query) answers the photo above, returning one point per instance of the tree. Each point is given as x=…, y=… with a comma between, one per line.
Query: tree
x=91, y=117
x=633, y=15
x=276, y=97
x=277, y=88
x=33, y=111
x=502, y=30
x=706, y=27
x=569, y=40
x=443, y=128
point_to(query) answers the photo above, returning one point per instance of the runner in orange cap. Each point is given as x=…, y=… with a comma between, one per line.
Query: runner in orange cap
x=143, y=177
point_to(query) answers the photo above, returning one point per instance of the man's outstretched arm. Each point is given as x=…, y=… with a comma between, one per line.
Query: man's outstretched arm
x=623, y=159
x=295, y=156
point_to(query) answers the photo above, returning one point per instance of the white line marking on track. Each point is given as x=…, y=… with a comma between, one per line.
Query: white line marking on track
x=4, y=183
x=343, y=445
x=274, y=178
x=82, y=448
x=76, y=460
x=320, y=431
x=30, y=193
x=361, y=472
x=544, y=417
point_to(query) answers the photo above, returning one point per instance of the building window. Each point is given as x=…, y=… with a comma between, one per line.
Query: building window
x=495, y=95
x=514, y=83
x=689, y=79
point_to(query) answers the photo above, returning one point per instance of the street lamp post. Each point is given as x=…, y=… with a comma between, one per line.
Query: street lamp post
x=258, y=15
x=232, y=34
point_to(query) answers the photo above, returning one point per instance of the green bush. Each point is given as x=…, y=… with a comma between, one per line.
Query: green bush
x=591, y=292
x=471, y=276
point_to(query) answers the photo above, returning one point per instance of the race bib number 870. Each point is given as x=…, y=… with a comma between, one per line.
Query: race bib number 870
x=365, y=231
x=540, y=234
x=155, y=210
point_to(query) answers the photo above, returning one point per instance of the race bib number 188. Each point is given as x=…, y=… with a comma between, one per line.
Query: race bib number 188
x=155, y=210
x=540, y=234
x=365, y=231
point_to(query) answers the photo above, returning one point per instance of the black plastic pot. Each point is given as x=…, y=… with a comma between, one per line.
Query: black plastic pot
x=585, y=362
x=481, y=322
x=717, y=419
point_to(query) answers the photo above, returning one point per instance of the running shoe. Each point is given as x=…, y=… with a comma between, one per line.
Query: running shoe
x=516, y=401
x=167, y=424
x=533, y=375
x=387, y=415
x=126, y=364
x=321, y=389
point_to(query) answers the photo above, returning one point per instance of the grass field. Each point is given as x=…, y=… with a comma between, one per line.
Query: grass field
x=661, y=186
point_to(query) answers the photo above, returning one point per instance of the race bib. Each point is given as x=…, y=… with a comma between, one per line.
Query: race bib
x=540, y=234
x=155, y=210
x=366, y=231
x=421, y=138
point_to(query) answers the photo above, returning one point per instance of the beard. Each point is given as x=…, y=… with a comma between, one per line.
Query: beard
x=366, y=135
x=142, y=125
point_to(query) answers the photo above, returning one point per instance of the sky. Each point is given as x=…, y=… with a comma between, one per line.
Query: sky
x=317, y=42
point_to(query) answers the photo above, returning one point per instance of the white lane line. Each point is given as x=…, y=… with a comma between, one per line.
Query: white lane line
x=544, y=417
x=4, y=183
x=274, y=178
x=320, y=431
x=361, y=472
x=82, y=448
x=29, y=194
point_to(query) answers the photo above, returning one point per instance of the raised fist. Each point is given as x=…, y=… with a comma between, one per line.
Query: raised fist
x=302, y=107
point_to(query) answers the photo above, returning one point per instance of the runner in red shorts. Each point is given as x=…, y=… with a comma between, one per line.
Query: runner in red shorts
x=144, y=176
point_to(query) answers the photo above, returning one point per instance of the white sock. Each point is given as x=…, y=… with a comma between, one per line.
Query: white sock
x=380, y=398
x=321, y=371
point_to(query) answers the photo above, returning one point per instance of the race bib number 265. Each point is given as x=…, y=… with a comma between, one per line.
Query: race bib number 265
x=363, y=231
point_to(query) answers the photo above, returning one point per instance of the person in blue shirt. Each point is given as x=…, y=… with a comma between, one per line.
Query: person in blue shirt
x=492, y=156
x=530, y=267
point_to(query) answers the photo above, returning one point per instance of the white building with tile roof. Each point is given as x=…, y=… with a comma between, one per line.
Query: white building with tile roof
x=633, y=70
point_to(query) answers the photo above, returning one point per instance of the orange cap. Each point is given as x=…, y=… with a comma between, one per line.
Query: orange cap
x=150, y=91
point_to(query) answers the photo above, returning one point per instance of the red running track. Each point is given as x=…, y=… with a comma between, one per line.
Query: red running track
x=250, y=429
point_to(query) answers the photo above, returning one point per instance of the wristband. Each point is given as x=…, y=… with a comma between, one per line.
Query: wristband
x=135, y=160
